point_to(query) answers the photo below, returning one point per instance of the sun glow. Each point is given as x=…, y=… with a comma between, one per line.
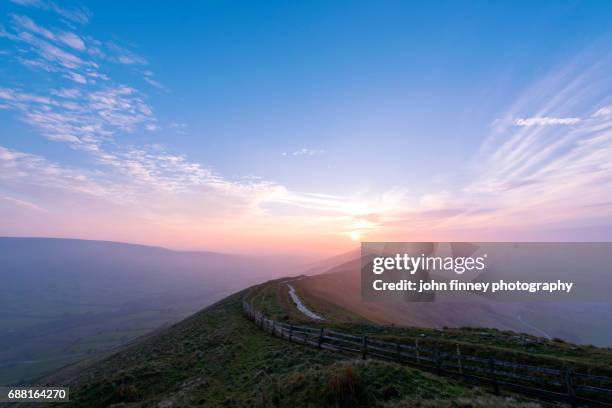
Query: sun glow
x=355, y=235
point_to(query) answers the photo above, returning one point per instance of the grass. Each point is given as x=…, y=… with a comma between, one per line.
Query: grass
x=38, y=352
x=272, y=297
x=367, y=383
x=214, y=357
x=219, y=358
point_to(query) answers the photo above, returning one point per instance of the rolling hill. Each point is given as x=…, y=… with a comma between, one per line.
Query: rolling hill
x=576, y=322
x=218, y=358
x=64, y=300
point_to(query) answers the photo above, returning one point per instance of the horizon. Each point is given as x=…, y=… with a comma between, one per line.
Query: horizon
x=305, y=128
x=296, y=256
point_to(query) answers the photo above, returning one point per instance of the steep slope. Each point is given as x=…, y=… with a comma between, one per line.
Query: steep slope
x=273, y=300
x=580, y=323
x=217, y=357
x=342, y=285
x=330, y=263
x=64, y=300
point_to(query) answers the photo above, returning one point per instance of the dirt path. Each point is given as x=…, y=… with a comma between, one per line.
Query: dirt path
x=300, y=305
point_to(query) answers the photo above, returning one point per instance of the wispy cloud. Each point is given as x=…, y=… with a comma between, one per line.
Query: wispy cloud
x=21, y=203
x=603, y=112
x=178, y=127
x=23, y=171
x=75, y=57
x=149, y=78
x=304, y=152
x=125, y=56
x=77, y=14
x=553, y=174
x=545, y=121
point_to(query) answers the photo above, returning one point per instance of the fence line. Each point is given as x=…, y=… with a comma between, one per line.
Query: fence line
x=564, y=385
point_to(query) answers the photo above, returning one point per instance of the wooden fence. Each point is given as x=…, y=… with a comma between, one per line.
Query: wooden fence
x=553, y=384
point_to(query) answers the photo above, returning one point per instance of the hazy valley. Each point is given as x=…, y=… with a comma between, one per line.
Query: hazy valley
x=65, y=300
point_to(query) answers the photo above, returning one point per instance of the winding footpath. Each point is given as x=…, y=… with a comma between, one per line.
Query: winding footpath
x=299, y=304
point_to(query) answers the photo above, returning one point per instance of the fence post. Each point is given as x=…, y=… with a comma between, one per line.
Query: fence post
x=321, y=337
x=290, y=333
x=273, y=328
x=398, y=350
x=459, y=360
x=416, y=347
x=438, y=360
x=364, y=347
x=568, y=380
x=493, y=376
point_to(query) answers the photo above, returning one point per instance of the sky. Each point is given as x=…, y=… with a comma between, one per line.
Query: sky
x=305, y=127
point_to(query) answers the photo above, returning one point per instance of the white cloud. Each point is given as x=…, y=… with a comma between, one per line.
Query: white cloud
x=305, y=152
x=27, y=24
x=70, y=93
x=66, y=52
x=552, y=173
x=179, y=128
x=32, y=3
x=605, y=111
x=25, y=172
x=545, y=121
x=78, y=14
x=72, y=40
x=76, y=77
x=21, y=203
x=125, y=56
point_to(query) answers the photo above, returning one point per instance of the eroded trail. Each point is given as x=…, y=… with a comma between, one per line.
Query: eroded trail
x=300, y=305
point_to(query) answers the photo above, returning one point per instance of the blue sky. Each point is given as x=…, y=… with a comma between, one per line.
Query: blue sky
x=342, y=119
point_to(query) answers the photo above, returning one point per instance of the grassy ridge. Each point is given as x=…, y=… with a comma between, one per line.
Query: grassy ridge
x=218, y=358
x=507, y=345
x=273, y=299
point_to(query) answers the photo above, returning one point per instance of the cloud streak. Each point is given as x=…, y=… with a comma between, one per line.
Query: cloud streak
x=78, y=15
x=545, y=121
x=305, y=152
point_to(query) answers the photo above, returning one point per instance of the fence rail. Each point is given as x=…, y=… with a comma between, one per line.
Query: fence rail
x=565, y=385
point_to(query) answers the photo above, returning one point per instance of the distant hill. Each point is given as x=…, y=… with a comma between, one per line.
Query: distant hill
x=328, y=264
x=62, y=300
x=582, y=323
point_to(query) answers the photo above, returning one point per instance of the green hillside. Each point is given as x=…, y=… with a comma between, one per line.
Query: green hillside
x=217, y=357
x=272, y=298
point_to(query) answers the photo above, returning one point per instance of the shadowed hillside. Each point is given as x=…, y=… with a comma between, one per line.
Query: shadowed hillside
x=64, y=300
x=217, y=357
x=582, y=323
